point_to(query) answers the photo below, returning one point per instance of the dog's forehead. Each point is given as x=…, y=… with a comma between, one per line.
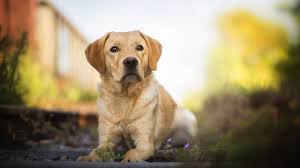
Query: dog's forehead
x=125, y=36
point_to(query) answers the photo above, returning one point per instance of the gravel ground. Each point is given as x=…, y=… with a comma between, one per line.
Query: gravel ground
x=69, y=164
x=44, y=158
x=42, y=155
x=69, y=154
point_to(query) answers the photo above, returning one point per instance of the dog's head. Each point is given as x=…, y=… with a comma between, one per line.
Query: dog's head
x=124, y=56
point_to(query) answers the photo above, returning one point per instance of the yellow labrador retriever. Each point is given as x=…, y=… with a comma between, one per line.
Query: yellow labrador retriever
x=133, y=107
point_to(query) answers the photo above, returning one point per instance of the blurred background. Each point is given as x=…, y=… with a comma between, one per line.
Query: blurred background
x=234, y=63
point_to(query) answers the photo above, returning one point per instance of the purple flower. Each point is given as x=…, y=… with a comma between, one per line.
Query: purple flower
x=169, y=140
x=186, y=146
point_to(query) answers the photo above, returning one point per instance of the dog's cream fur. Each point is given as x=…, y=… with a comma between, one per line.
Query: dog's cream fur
x=134, y=108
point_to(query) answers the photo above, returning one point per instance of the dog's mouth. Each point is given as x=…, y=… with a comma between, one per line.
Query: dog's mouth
x=131, y=77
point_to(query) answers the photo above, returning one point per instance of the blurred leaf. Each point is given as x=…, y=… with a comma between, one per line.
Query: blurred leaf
x=39, y=84
x=250, y=48
x=10, y=54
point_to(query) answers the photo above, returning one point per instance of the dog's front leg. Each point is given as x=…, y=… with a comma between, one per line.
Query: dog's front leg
x=144, y=149
x=107, y=139
x=142, y=133
x=95, y=154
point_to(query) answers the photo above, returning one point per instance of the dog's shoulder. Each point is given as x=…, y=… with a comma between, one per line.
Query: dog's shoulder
x=151, y=89
x=166, y=99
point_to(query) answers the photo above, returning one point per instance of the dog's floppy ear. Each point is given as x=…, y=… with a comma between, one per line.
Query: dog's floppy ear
x=95, y=54
x=154, y=51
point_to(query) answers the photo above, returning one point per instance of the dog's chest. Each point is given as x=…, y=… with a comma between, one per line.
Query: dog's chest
x=120, y=108
x=122, y=111
x=117, y=109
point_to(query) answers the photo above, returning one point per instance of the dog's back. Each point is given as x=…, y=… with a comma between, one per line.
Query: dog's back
x=176, y=123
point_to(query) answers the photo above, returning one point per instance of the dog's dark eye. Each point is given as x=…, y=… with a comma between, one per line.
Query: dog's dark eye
x=114, y=49
x=140, y=48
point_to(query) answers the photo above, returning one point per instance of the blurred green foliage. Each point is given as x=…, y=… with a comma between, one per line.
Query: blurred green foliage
x=265, y=128
x=75, y=93
x=289, y=69
x=10, y=54
x=250, y=109
x=39, y=85
x=23, y=81
x=88, y=96
x=43, y=86
x=249, y=49
x=245, y=59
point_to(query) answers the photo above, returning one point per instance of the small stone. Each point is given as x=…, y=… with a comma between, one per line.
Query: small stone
x=64, y=157
x=56, y=158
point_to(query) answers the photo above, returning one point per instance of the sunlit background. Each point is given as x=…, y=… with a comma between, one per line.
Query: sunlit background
x=192, y=34
x=234, y=63
x=188, y=30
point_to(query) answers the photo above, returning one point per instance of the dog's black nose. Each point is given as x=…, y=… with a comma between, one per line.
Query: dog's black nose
x=130, y=62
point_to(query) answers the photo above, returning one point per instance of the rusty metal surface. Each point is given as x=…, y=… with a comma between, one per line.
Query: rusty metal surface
x=23, y=128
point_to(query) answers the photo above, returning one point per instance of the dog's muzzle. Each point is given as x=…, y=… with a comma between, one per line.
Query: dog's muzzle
x=130, y=63
x=130, y=68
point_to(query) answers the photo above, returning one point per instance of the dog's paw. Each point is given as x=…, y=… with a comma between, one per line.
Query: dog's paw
x=132, y=156
x=92, y=157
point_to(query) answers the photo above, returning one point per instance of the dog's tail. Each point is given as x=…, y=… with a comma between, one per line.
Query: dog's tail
x=184, y=129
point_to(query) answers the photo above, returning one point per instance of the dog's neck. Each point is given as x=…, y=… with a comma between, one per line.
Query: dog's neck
x=110, y=86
